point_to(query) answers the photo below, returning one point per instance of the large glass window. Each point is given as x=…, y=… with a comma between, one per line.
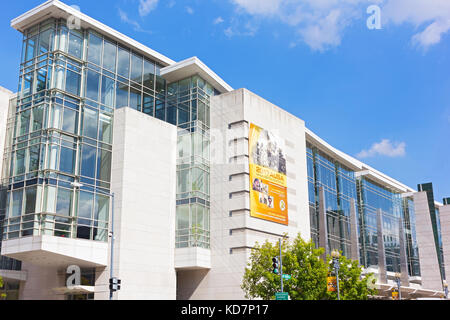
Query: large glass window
x=109, y=56
x=104, y=165
x=101, y=212
x=67, y=160
x=24, y=123
x=88, y=158
x=149, y=74
x=105, y=132
x=50, y=199
x=75, y=44
x=17, y=197
x=135, y=99
x=85, y=205
x=41, y=79
x=121, y=95
x=70, y=121
x=33, y=163
x=31, y=43
x=90, y=123
x=148, y=105
x=123, y=67
x=30, y=200
x=108, y=88
x=73, y=82
x=28, y=81
x=136, y=68
x=19, y=164
x=38, y=118
x=95, y=49
x=92, y=85
x=64, y=202
x=56, y=115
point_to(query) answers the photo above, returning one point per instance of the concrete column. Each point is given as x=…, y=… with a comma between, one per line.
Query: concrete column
x=41, y=282
x=403, y=257
x=444, y=213
x=354, y=231
x=323, y=229
x=429, y=265
x=381, y=252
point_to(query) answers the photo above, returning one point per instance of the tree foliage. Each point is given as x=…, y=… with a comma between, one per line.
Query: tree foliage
x=2, y=295
x=302, y=260
x=352, y=286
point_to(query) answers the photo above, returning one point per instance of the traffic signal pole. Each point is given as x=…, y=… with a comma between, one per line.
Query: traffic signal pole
x=281, y=267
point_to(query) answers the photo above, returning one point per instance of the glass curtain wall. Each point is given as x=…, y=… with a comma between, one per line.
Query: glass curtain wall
x=412, y=249
x=340, y=186
x=7, y=263
x=70, y=83
x=374, y=197
x=188, y=107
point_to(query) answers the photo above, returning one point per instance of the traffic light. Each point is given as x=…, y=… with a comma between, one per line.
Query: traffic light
x=275, y=265
x=114, y=284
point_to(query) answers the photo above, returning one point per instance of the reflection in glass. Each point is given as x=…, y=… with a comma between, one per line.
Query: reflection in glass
x=95, y=49
x=121, y=95
x=92, y=85
x=64, y=202
x=123, y=67
x=88, y=158
x=109, y=56
x=90, y=121
x=108, y=86
x=85, y=205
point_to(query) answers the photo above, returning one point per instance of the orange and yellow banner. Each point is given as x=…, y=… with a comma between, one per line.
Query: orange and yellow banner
x=331, y=284
x=268, y=181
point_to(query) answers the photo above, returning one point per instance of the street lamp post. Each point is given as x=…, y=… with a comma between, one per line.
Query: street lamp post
x=398, y=281
x=336, y=255
x=111, y=234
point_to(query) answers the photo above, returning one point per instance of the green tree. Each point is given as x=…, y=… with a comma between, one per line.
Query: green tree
x=352, y=285
x=300, y=259
x=2, y=295
x=309, y=273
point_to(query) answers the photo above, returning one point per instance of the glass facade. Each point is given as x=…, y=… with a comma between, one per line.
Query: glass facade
x=7, y=263
x=372, y=198
x=340, y=186
x=412, y=249
x=188, y=107
x=71, y=81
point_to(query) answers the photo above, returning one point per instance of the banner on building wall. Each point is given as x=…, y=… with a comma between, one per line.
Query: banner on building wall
x=268, y=181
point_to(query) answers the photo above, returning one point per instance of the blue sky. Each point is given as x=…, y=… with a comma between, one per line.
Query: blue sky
x=381, y=95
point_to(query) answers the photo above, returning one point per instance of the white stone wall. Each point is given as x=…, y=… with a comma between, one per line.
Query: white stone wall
x=429, y=266
x=444, y=215
x=233, y=236
x=144, y=183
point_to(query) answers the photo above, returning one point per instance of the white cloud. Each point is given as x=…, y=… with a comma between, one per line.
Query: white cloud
x=249, y=29
x=321, y=24
x=218, y=20
x=189, y=10
x=384, y=148
x=146, y=6
x=137, y=27
x=433, y=16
